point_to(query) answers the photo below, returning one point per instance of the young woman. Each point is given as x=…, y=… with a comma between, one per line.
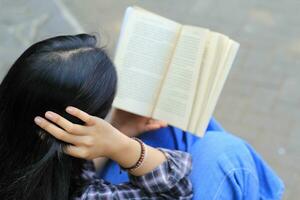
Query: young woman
x=52, y=104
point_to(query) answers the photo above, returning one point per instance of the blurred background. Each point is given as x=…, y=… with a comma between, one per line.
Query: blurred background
x=261, y=99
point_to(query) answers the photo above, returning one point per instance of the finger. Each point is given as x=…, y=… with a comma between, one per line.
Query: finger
x=65, y=124
x=88, y=119
x=150, y=127
x=75, y=151
x=56, y=131
x=160, y=122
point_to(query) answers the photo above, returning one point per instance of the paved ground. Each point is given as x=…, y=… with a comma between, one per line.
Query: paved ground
x=24, y=21
x=261, y=99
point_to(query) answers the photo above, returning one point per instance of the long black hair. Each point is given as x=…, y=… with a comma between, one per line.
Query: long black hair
x=49, y=75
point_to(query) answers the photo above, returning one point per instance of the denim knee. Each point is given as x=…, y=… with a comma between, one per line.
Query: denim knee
x=226, y=167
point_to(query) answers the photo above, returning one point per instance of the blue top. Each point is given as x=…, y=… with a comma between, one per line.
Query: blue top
x=224, y=166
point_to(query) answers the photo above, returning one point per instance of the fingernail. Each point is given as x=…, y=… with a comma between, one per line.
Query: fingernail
x=38, y=120
x=49, y=115
x=69, y=109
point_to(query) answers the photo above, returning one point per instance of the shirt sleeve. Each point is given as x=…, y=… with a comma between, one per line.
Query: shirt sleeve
x=167, y=181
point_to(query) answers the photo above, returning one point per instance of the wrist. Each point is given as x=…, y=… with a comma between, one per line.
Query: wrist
x=127, y=153
x=117, y=144
x=141, y=158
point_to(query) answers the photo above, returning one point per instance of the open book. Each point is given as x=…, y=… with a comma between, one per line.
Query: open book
x=169, y=71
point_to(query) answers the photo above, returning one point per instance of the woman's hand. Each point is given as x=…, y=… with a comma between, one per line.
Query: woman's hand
x=132, y=124
x=96, y=138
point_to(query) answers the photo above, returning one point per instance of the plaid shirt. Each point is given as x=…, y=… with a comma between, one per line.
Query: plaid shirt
x=167, y=181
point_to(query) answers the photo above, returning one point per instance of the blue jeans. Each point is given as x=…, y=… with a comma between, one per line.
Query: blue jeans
x=224, y=166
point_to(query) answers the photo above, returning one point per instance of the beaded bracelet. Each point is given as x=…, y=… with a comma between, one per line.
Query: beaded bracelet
x=141, y=158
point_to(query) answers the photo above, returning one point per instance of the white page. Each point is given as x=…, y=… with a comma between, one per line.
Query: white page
x=208, y=68
x=176, y=97
x=144, y=50
x=218, y=85
x=215, y=73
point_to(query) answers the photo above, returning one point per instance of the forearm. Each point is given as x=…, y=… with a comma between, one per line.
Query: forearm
x=167, y=181
x=126, y=152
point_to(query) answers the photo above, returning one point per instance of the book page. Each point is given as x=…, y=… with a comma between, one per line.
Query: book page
x=175, y=101
x=208, y=68
x=225, y=66
x=144, y=51
x=216, y=71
